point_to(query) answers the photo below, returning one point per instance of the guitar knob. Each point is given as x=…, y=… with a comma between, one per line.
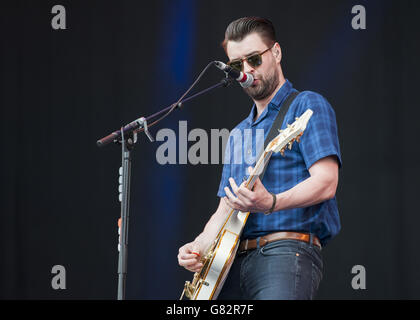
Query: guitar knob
x=204, y=282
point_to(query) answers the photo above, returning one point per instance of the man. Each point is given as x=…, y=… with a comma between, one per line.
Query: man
x=293, y=210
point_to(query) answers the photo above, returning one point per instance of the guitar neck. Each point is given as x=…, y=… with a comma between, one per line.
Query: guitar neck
x=258, y=169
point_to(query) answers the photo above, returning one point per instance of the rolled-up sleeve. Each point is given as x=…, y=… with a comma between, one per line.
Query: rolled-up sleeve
x=320, y=138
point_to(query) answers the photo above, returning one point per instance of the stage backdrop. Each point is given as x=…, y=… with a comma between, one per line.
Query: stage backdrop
x=114, y=61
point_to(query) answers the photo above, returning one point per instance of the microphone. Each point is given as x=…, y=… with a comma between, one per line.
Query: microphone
x=244, y=79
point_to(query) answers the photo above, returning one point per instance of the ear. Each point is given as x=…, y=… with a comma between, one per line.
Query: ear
x=277, y=52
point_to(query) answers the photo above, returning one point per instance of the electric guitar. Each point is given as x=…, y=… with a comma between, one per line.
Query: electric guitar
x=208, y=282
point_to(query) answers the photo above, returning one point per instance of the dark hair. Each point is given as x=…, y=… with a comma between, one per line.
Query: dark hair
x=240, y=28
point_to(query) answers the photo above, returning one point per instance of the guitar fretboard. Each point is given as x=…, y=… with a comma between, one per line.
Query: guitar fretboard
x=258, y=169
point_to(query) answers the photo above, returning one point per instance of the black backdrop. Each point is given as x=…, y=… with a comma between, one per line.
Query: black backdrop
x=61, y=90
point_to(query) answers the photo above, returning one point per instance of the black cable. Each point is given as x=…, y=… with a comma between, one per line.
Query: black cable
x=176, y=104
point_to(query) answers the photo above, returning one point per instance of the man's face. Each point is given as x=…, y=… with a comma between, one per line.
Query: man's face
x=266, y=76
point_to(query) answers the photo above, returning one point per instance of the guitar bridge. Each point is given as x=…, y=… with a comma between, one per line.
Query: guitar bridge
x=190, y=288
x=188, y=291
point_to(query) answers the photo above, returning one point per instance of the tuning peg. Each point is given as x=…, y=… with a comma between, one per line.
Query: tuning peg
x=290, y=145
x=297, y=118
x=280, y=131
x=282, y=151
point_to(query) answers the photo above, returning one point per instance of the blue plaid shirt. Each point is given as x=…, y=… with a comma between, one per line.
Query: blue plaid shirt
x=319, y=140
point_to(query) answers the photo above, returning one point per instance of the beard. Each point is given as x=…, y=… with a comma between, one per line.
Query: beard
x=266, y=86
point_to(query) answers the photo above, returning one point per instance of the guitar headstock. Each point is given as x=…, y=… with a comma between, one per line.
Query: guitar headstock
x=292, y=133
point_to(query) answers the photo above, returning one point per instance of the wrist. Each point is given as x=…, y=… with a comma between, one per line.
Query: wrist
x=273, y=204
x=203, y=241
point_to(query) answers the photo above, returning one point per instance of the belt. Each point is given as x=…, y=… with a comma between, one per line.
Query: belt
x=250, y=244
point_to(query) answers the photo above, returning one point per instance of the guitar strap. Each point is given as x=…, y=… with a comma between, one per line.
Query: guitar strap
x=284, y=107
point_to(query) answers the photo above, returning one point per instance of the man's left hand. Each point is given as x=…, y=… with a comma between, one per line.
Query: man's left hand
x=245, y=200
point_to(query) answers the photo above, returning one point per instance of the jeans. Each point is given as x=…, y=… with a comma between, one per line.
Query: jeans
x=281, y=270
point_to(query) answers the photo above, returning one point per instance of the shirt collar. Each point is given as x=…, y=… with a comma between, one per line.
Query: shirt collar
x=281, y=94
x=275, y=103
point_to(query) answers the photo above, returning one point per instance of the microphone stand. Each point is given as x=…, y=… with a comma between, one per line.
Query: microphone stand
x=127, y=137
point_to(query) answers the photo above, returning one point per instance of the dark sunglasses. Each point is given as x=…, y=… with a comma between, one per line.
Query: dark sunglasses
x=254, y=60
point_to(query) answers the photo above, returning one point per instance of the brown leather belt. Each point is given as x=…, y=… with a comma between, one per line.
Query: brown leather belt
x=250, y=244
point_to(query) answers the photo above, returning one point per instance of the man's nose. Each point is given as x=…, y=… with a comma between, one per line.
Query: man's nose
x=248, y=67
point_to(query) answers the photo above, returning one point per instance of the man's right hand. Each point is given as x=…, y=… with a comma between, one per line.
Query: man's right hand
x=190, y=254
x=189, y=257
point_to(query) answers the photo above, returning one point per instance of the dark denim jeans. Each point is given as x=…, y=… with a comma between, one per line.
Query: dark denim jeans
x=281, y=270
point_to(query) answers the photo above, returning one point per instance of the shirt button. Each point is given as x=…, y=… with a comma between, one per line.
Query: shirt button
x=249, y=151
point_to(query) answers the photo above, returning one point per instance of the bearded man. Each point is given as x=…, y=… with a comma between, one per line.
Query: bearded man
x=293, y=210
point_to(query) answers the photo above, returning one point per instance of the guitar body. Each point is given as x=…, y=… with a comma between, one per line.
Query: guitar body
x=220, y=257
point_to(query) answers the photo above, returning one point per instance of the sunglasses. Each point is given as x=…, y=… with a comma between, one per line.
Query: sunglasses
x=254, y=60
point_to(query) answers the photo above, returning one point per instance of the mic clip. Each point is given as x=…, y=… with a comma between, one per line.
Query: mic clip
x=143, y=124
